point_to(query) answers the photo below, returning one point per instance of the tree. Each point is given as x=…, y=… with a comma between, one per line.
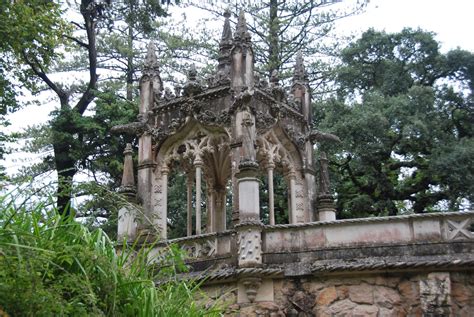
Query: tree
x=26, y=27
x=404, y=112
x=280, y=29
x=79, y=129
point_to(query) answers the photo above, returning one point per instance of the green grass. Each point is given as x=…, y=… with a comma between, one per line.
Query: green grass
x=55, y=267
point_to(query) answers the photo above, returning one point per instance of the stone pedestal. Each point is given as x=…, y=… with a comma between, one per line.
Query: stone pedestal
x=326, y=209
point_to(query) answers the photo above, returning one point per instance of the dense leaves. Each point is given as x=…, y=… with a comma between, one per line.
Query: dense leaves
x=404, y=112
x=55, y=267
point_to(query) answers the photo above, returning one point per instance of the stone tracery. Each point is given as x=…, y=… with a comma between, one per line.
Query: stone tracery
x=237, y=128
x=232, y=130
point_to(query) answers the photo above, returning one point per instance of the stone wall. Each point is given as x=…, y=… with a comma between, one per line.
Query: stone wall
x=363, y=294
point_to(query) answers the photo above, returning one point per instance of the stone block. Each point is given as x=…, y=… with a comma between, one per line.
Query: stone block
x=365, y=311
x=361, y=294
x=386, y=297
x=341, y=308
x=326, y=296
x=426, y=230
x=372, y=233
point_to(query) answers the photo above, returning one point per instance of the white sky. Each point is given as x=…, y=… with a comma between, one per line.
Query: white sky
x=451, y=20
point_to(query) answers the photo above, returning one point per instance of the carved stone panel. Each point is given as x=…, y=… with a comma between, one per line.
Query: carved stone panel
x=250, y=252
x=301, y=203
x=157, y=204
x=458, y=230
x=202, y=248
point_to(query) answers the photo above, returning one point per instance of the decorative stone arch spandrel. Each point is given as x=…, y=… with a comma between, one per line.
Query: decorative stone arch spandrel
x=277, y=151
x=194, y=145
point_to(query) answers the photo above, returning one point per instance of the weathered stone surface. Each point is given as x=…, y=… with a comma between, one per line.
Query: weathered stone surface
x=326, y=296
x=435, y=294
x=408, y=289
x=365, y=311
x=302, y=301
x=386, y=297
x=462, y=294
x=361, y=294
x=341, y=308
x=343, y=292
x=387, y=281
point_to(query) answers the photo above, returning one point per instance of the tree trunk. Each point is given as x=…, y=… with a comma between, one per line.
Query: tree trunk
x=274, y=29
x=130, y=69
x=66, y=169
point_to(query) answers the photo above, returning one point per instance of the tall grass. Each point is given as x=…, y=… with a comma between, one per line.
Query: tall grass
x=50, y=266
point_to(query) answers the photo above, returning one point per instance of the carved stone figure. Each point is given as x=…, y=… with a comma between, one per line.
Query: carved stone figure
x=248, y=137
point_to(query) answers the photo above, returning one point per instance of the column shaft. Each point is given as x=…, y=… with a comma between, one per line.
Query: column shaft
x=293, y=199
x=198, y=199
x=164, y=215
x=271, y=200
x=189, y=207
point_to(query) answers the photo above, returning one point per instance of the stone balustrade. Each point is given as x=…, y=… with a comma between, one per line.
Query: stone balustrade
x=419, y=228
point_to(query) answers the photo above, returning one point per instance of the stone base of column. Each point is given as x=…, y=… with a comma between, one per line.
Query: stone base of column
x=127, y=222
x=326, y=208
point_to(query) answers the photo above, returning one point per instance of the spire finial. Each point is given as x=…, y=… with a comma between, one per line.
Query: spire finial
x=241, y=32
x=226, y=32
x=192, y=73
x=128, y=180
x=299, y=73
x=151, y=62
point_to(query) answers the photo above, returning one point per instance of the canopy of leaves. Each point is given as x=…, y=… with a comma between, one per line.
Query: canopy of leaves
x=404, y=112
x=26, y=27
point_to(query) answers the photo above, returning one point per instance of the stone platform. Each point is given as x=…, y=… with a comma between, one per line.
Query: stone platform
x=416, y=265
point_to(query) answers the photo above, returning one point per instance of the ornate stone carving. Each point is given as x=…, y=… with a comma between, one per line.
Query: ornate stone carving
x=296, y=136
x=264, y=121
x=458, y=230
x=251, y=285
x=248, y=137
x=201, y=248
x=158, y=134
x=224, y=118
x=207, y=117
x=249, y=246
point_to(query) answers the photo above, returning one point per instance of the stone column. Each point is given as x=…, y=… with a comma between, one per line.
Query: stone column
x=249, y=231
x=127, y=225
x=220, y=210
x=271, y=197
x=292, y=178
x=211, y=206
x=198, y=163
x=189, y=206
x=164, y=214
x=145, y=168
x=325, y=201
x=249, y=227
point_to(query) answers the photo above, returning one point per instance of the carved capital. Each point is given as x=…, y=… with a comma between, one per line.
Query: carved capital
x=251, y=285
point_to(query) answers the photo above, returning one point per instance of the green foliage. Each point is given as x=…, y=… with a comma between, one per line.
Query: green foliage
x=27, y=28
x=51, y=266
x=280, y=199
x=404, y=113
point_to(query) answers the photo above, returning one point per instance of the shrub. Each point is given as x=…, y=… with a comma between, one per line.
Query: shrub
x=50, y=266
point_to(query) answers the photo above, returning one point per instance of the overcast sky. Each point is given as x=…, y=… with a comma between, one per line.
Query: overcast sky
x=451, y=20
